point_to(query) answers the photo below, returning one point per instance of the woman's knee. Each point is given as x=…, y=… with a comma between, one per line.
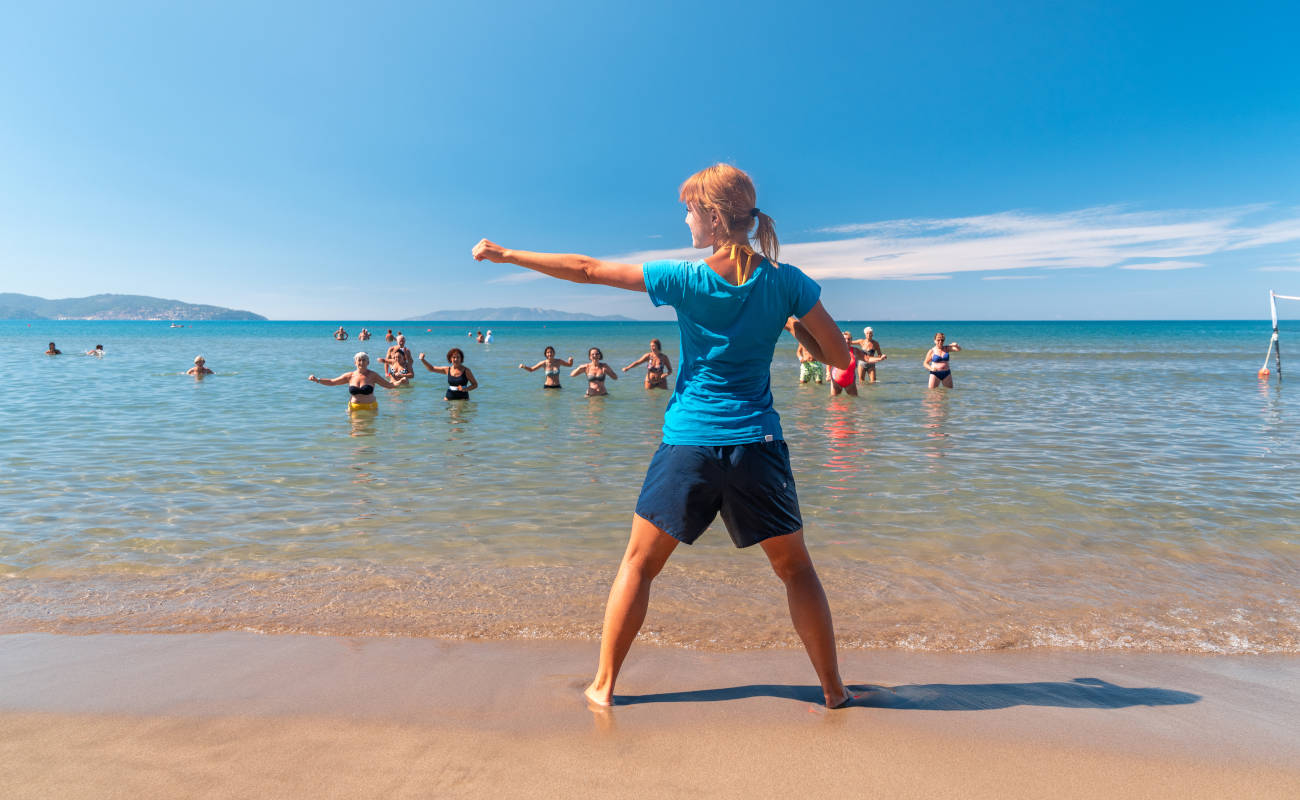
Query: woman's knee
x=789, y=557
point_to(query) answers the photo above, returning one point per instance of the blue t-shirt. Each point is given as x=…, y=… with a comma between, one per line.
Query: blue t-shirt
x=724, y=392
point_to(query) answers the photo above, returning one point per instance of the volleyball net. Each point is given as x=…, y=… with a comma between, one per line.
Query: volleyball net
x=1274, y=344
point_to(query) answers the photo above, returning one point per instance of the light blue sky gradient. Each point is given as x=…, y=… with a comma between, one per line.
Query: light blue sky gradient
x=924, y=160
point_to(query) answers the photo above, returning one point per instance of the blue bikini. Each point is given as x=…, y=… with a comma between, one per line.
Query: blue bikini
x=940, y=359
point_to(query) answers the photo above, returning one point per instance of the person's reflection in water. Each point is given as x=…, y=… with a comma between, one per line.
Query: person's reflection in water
x=843, y=447
x=935, y=407
x=460, y=415
x=363, y=424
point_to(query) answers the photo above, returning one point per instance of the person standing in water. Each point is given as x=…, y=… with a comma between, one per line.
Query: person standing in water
x=596, y=371
x=552, y=365
x=936, y=362
x=460, y=381
x=397, y=361
x=810, y=369
x=658, y=367
x=723, y=449
x=851, y=387
x=53, y=351
x=199, y=369
x=873, y=352
x=361, y=384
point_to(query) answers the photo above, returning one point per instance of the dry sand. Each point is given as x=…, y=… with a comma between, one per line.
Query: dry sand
x=243, y=715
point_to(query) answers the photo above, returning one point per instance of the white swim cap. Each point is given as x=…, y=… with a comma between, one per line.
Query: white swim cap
x=197, y=359
x=866, y=330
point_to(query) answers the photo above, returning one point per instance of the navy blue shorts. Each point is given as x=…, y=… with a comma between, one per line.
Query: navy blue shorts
x=751, y=484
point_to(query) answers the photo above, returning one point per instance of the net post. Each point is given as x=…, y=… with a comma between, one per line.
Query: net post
x=1277, y=342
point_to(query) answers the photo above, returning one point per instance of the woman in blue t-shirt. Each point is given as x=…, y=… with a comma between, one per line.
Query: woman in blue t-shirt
x=722, y=449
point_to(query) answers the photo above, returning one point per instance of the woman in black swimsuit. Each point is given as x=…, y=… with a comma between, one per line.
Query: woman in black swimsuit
x=552, y=365
x=460, y=381
x=658, y=368
x=361, y=384
x=596, y=371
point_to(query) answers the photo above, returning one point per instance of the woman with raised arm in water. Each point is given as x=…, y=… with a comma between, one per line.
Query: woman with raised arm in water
x=596, y=371
x=460, y=381
x=552, y=365
x=722, y=446
x=936, y=361
x=361, y=384
x=657, y=366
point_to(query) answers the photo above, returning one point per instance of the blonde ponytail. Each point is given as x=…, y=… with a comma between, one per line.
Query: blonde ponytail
x=730, y=193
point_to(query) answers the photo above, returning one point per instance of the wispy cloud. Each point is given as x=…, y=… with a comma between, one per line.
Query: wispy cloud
x=1013, y=277
x=1108, y=236
x=1279, y=269
x=1164, y=265
x=518, y=277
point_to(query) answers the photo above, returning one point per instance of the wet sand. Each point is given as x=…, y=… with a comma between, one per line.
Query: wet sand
x=221, y=715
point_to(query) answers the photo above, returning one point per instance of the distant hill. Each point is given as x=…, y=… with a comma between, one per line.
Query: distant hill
x=114, y=306
x=510, y=314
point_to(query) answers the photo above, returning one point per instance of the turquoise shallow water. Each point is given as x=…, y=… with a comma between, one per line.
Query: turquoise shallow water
x=1093, y=485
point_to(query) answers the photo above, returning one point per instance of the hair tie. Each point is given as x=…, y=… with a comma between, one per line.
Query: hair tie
x=753, y=212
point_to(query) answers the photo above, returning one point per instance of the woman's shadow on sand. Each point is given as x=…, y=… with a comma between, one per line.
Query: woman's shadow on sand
x=1078, y=693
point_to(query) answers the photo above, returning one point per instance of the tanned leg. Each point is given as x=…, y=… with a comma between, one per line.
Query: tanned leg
x=648, y=549
x=809, y=611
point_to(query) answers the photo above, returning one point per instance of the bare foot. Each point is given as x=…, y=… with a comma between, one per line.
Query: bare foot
x=598, y=697
x=845, y=701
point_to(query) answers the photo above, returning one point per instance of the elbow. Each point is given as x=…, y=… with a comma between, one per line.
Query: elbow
x=587, y=269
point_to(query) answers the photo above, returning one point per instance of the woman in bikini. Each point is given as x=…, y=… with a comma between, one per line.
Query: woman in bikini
x=723, y=450
x=460, y=380
x=552, y=365
x=874, y=355
x=936, y=362
x=596, y=371
x=658, y=367
x=397, y=361
x=361, y=384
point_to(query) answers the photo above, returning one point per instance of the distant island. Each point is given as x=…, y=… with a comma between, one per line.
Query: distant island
x=114, y=306
x=514, y=314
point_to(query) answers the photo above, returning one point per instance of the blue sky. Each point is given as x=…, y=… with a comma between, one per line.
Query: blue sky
x=924, y=160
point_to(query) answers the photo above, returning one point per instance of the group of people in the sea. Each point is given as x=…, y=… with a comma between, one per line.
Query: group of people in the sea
x=398, y=362
x=97, y=351
x=398, y=365
x=867, y=353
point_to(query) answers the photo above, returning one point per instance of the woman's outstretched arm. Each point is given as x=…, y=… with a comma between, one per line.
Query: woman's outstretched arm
x=431, y=367
x=344, y=378
x=640, y=360
x=566, y=266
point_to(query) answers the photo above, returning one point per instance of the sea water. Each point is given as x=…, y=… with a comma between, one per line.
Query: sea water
x=1086, y=485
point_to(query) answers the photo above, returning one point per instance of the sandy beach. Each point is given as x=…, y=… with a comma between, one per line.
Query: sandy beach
x=228, y=714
